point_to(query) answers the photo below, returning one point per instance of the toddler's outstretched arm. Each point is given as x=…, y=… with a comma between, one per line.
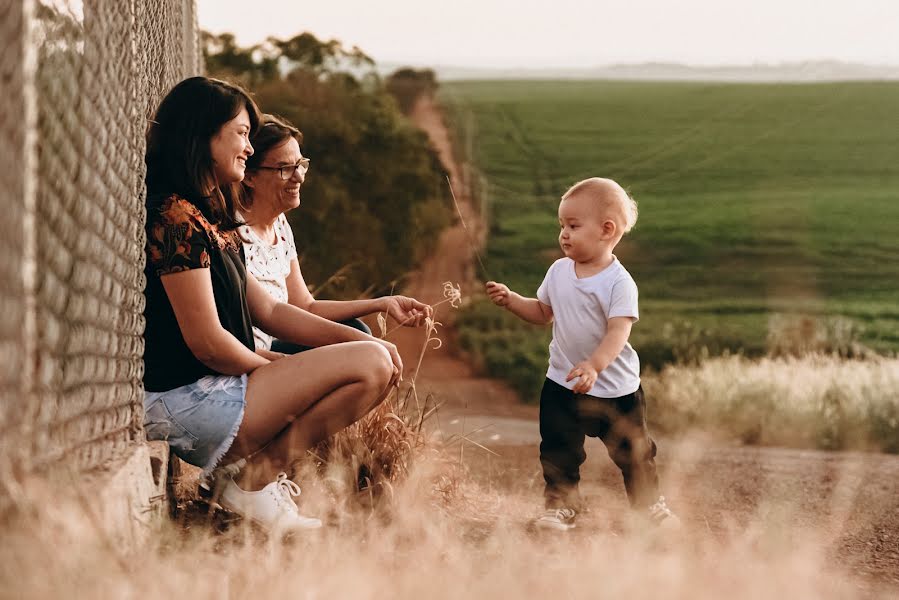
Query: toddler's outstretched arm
x=529, y=309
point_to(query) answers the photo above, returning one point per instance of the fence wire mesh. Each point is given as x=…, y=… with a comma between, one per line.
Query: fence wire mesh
x=83, y=78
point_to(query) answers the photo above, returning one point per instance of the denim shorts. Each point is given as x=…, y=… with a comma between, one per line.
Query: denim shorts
x=199, y=420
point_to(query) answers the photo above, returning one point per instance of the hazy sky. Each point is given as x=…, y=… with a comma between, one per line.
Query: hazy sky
x=576, y=33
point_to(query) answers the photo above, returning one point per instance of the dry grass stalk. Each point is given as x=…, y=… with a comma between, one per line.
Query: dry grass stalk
x=368, y=458
x=451, y=293
x=471, y=242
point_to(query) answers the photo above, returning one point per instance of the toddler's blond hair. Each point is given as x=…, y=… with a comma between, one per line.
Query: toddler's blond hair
x=610, y=197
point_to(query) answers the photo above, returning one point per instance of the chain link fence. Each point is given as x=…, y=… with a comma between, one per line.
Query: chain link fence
x=80, y=79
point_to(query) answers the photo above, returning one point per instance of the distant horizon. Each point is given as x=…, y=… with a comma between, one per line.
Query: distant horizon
x=571, y=34
x=798, y=72
x=525, y=65
x=673, y=63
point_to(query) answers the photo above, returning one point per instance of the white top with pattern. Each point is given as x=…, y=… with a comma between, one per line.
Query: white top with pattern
x=270, y=265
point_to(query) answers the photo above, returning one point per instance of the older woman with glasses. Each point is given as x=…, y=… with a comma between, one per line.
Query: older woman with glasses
x=275, y=174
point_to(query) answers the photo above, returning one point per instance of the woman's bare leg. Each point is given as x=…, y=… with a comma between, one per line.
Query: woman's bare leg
x=326, y=417
x=299, y=400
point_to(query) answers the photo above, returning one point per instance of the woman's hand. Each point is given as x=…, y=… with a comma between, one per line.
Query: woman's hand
x=269, y=355
x=406, y=311
x=395, y=357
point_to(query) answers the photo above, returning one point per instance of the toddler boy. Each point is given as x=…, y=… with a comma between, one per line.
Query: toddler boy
x=592, y=385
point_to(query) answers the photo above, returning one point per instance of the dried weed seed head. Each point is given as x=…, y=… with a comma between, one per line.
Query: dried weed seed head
x=452, y=293
x=382, y=325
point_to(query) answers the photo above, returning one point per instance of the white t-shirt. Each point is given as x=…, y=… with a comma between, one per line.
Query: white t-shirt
x=270, y=265
x=581, y=311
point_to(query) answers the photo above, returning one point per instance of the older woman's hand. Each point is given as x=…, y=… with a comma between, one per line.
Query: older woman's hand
x=269, y=355
x=407, y=311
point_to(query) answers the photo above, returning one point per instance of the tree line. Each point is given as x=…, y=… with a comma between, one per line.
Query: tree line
x=375, y=198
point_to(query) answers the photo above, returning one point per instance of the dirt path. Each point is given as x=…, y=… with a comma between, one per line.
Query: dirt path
x=848, y=503
x=444, y=372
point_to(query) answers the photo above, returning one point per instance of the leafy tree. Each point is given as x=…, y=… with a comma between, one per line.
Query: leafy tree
x=407, y=85
x=311, y=53
x=375, y=199
x=225, y=59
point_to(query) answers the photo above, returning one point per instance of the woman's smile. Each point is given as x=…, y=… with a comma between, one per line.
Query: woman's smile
x=293, y=190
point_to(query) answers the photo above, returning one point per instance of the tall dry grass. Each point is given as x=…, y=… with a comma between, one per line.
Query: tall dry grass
x=364, y=461
x=406, y=519
x=813, y=401
x=469, y=543
x=439, y=532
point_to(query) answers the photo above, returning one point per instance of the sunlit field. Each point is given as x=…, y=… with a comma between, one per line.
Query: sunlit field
x=768, y=213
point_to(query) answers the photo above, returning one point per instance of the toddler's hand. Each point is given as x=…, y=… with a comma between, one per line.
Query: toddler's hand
x=498, y=293
x=586, y=375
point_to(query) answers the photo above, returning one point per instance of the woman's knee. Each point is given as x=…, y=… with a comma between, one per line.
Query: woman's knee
x=375, y=364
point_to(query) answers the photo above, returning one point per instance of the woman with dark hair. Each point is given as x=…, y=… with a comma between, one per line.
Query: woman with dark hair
x=271, y=187
x=208, y=392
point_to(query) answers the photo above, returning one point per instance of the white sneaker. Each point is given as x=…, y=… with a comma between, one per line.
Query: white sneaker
x=272, y=507
x=560, y=519
x=662, y=517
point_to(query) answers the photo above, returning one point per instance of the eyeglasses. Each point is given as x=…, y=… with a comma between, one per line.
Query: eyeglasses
x=287, y=171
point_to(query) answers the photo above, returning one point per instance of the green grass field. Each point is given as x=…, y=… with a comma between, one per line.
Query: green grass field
x=756, y=200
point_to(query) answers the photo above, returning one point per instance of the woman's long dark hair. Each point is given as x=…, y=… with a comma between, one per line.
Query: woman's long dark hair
x=179, y=159
x=273, y=131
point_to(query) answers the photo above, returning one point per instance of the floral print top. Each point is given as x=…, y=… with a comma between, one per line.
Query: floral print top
x=180, y=238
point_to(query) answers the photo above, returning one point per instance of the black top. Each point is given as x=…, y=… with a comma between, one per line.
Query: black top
x=180, y=238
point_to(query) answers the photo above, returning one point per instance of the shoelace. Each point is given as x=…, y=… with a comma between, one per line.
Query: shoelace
x=287, y=490
x=659, y=511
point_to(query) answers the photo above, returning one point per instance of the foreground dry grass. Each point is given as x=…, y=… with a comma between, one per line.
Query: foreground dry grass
x=446, y=531
x=435, y=522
